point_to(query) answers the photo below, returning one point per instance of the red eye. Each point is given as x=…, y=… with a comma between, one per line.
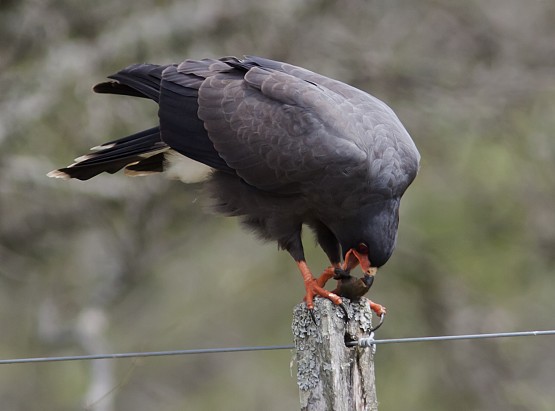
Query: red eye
x=362, y=248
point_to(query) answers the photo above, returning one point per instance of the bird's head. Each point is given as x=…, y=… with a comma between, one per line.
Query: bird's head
x=368, y=238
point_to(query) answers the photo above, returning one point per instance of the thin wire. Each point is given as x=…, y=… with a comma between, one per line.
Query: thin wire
x=363, y=342
x=145, y=354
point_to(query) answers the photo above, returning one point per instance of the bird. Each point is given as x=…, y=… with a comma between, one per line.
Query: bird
x=288, y=148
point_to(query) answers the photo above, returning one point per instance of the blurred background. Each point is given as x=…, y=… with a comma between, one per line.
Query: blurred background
x=118, y=264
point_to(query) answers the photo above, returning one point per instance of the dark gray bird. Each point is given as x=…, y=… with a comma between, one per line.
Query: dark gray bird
x=288, y=147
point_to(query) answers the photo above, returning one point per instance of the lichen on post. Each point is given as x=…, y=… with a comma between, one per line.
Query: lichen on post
x=330, y=375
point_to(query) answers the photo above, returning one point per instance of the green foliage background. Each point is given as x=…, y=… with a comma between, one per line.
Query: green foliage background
x=118, y=264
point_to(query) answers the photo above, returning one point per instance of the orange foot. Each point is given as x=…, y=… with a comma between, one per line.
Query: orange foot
x=377, y=308
x=380, y=311
x=313, y=288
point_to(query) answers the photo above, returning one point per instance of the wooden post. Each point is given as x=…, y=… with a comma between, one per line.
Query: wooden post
x=330, y=375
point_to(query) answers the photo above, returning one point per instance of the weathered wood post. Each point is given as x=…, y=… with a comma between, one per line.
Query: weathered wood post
x=330, y=375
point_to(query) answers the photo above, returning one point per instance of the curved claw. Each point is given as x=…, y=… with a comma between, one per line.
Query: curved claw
x=382, y=318
x=344, y=308
x=311, y=312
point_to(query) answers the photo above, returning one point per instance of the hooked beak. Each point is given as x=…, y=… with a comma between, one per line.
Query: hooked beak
x=354, y=258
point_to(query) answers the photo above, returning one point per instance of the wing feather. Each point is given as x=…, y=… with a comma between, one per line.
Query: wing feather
x=282, y=128
x=276, y=131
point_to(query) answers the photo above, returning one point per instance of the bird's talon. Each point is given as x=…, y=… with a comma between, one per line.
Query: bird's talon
x=377, y=308
x=311, y=312
x=345, y=311
x=382, y=318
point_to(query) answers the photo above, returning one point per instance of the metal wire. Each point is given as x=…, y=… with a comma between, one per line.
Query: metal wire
x=366, y=342
x=363, y=342
x=145, y=354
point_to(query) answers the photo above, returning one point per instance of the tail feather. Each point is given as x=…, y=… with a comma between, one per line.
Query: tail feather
x=112, y=157
x=150, y=165
x=138, y=80
x=124, y=148
x=146, y=152
x=119, y=142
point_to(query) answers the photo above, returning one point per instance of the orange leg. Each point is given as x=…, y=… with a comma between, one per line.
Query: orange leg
x=328, y=274
x=313, y=288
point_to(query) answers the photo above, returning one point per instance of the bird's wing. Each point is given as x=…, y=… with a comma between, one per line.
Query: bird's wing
x=180, y=126
x=275, y=130
x=280, y=127
x=393, y=155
